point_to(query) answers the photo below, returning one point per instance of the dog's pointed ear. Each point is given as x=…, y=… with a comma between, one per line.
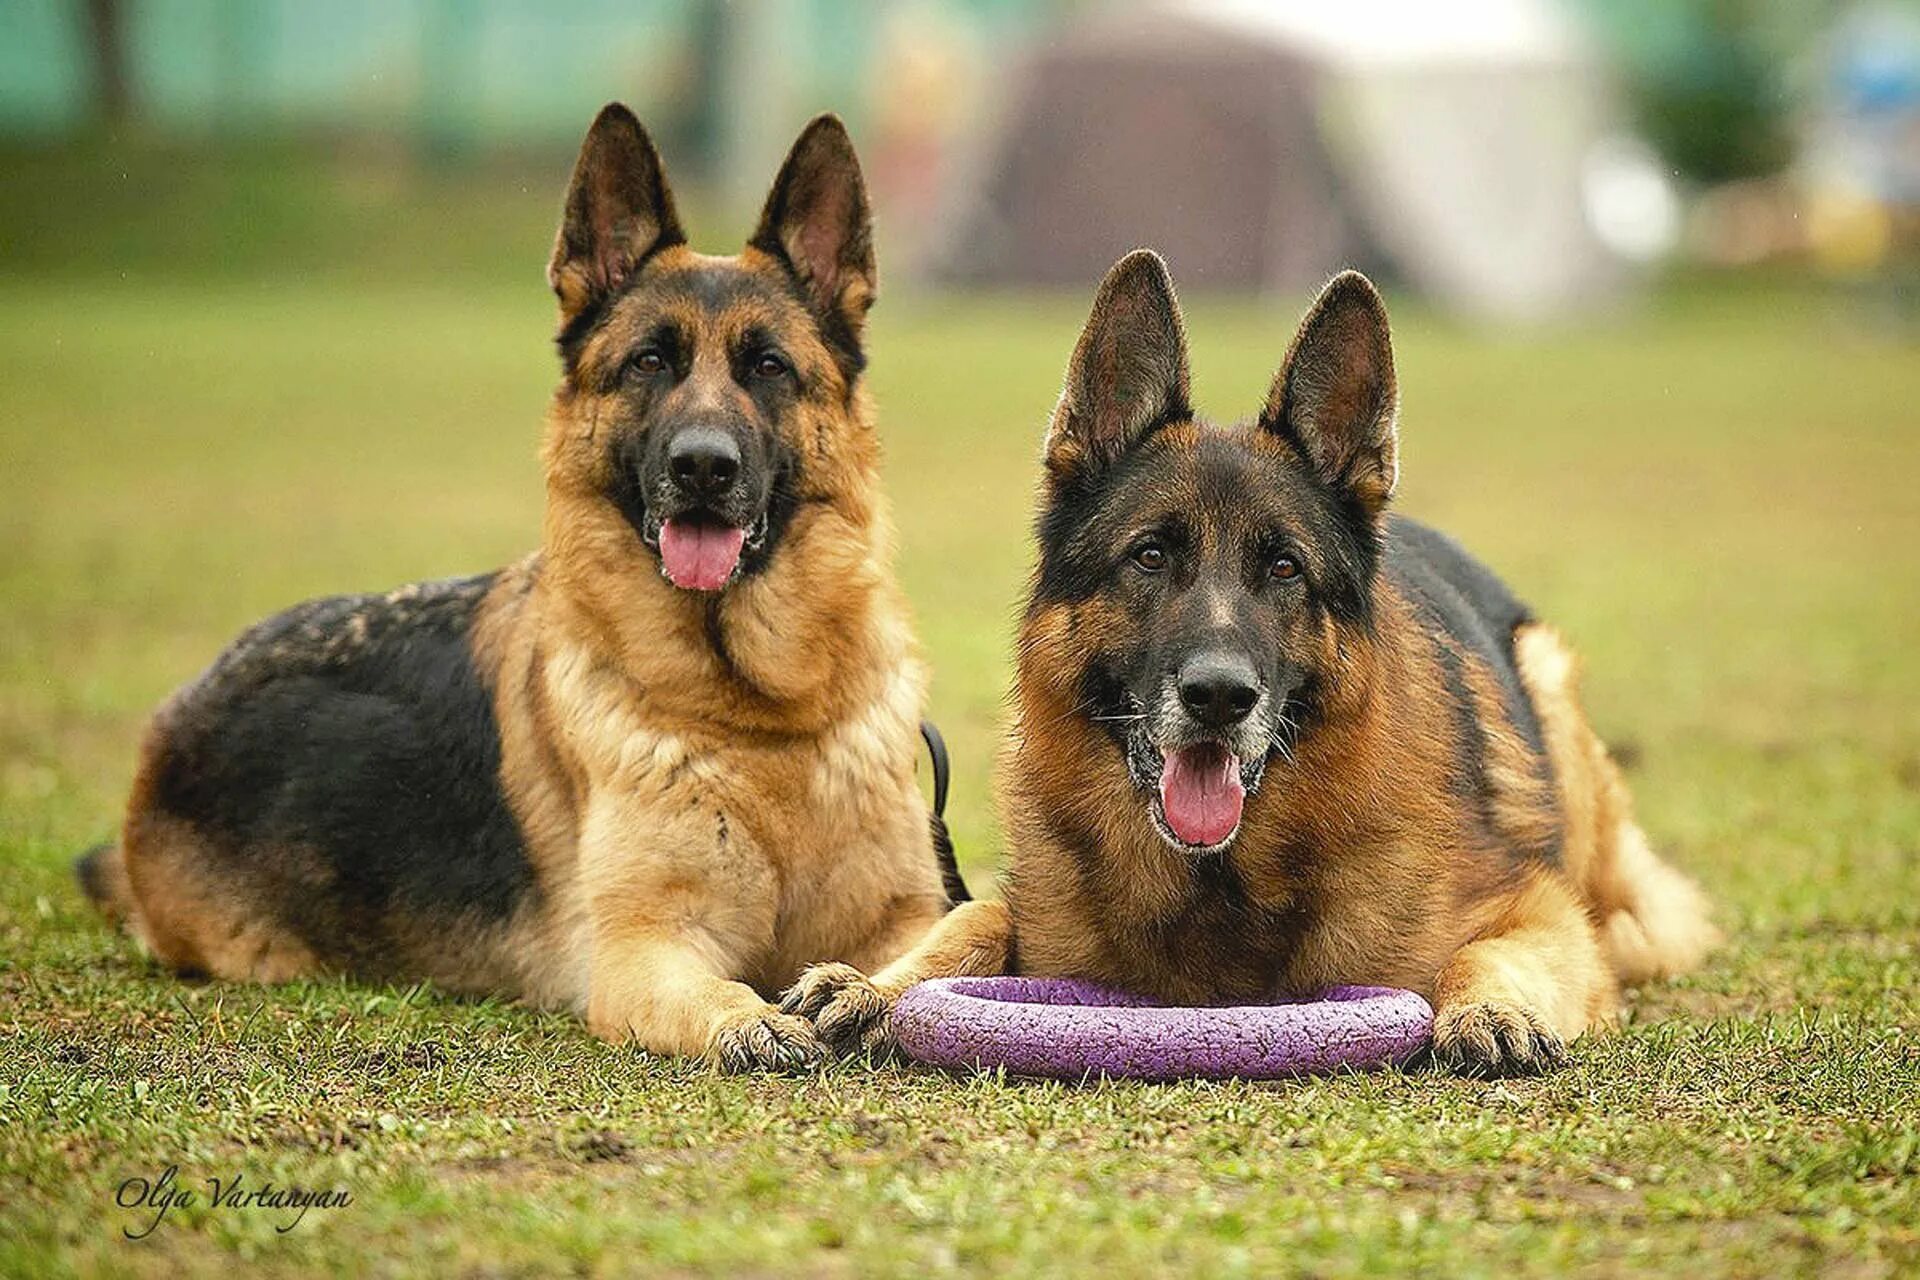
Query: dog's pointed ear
x=1129, y=369
x=1335, y=399
x=619, y=212
x=817, y=222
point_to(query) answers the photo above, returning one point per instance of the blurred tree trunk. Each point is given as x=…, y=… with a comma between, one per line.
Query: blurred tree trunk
x=106, y=33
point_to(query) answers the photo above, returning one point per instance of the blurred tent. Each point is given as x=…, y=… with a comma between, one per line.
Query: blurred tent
x=1266, y=143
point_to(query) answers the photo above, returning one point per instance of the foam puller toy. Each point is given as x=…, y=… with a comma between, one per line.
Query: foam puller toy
x=1071, y=1030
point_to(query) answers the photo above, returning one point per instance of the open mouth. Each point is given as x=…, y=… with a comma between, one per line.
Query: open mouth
x=1200, y=797
x=701, y=551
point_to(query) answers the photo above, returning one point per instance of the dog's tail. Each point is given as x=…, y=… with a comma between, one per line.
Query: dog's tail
x=102, y=872
x=950, y=877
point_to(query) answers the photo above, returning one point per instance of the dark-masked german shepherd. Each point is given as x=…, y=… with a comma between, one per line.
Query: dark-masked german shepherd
x=647, y=773
x=1269, y=739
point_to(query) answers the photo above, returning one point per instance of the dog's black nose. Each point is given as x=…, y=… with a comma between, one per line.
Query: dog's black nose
x=704, y=461
x=1218, y=689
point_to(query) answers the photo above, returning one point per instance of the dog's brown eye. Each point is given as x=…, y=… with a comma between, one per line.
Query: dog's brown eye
x=1151, y=557
x=649, y=362
x=1286, y=567
x=769, y=365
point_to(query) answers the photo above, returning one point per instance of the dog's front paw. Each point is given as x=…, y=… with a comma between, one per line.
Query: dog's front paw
x=767, y=1041
x=848, y=1011
x=1494, y=1038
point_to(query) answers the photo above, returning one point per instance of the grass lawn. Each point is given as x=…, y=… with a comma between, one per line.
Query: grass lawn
x=1714, y=497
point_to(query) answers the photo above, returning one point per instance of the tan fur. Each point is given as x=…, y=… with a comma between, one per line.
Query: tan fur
x=195, y=921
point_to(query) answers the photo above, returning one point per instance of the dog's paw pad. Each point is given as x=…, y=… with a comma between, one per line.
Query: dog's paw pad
x=817, y=986
x=768, y=1042
x=847, y=1010
x=1494, y=1038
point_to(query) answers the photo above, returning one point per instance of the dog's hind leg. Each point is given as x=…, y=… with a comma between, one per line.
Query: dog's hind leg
x=199, y=912
x=1654, y=921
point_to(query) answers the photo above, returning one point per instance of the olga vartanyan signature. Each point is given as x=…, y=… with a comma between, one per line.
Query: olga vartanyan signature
x=161, y=1195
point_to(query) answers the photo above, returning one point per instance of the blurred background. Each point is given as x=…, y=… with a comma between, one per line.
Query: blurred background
x=273, y=324
x=1505, y=158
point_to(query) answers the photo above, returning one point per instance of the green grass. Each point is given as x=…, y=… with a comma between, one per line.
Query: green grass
x=1714, y=497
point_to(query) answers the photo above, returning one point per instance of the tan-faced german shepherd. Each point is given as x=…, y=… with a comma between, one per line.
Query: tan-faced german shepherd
x=646, y=773
x=1269, y=739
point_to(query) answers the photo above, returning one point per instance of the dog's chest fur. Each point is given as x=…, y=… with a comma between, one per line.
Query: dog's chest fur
x=814, y=832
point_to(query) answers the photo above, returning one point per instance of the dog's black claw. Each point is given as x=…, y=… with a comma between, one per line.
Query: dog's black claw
x=1492, y=1039
x=768, y=1042
x=847, y=1010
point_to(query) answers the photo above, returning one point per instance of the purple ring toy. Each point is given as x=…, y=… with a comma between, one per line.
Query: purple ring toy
x=1070, y=1030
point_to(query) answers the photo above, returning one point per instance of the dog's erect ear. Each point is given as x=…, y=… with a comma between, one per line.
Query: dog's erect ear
x=817, y=222
x=1335, y=399
x=619, y=212
x=1129, y=369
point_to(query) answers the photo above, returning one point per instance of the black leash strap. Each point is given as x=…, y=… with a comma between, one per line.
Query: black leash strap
x=950, y=877
x=942, y=766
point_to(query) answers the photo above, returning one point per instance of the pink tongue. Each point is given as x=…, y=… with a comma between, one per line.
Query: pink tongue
x=700, y=556
x=1201, y=795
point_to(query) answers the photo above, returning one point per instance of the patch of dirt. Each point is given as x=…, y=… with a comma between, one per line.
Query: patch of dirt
x=601, y=1145
x=1504, y=1193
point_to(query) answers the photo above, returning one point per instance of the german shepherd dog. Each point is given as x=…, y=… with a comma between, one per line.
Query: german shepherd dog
x=1269, y=739
x=646, y=773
